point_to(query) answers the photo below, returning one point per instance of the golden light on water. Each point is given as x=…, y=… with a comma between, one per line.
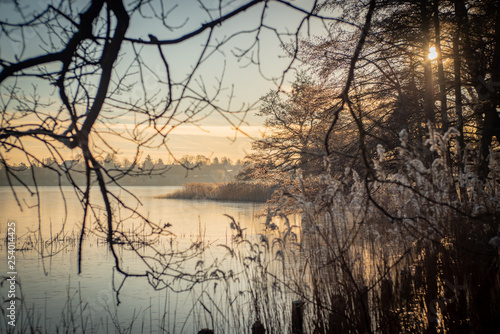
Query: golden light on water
x=432, y=53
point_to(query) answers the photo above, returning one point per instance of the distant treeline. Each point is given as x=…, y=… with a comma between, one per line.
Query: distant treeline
x=145, y=173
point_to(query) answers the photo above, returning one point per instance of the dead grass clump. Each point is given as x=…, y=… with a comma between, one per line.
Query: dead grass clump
x=230, y=191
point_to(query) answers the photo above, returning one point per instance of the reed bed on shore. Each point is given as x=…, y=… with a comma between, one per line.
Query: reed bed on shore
x=230, y=191
x=414, y=248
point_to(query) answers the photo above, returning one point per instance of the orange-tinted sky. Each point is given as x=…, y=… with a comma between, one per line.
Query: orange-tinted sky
x=243, y=82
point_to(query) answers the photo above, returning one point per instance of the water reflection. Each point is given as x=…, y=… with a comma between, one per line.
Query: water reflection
x=51, y=285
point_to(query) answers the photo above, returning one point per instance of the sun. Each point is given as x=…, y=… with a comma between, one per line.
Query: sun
x=432, y=53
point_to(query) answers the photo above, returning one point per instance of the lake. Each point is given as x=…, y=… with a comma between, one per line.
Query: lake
x=55, y=295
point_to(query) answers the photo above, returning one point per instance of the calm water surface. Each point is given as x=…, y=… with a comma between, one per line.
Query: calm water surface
x=48, y=284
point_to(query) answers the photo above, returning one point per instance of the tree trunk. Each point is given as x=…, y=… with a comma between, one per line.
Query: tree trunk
x=458, y=110
x=441, y=78
x=491, y=124
x=458, y=88
x=486, y=90
x=429, y=86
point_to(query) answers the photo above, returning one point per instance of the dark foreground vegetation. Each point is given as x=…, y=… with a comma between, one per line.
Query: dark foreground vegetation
x=230, y=191
x=404, y=254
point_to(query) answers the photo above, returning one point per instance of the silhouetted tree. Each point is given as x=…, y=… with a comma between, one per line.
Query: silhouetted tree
x=297, y=123
x=75, y=69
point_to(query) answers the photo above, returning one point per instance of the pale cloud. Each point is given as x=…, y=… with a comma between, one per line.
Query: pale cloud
x=211, y=141
x=219, y=131
x=227, y=131
x=186, y=144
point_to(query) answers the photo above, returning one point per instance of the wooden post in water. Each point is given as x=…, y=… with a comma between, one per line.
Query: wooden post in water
x=206, y=331
x=297, y=314
x=337, y=321
x=386, y=307
x=362, y=310
x=258, y=328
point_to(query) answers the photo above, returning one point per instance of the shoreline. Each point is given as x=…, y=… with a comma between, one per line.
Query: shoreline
x=225, y=191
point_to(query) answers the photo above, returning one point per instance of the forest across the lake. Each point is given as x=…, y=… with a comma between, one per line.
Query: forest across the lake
x=148, y=172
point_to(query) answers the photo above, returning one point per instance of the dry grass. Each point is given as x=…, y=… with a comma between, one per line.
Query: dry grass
x=414, y=251
x=230, y=191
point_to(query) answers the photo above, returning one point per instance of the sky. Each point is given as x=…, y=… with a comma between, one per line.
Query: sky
x=243, y=83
